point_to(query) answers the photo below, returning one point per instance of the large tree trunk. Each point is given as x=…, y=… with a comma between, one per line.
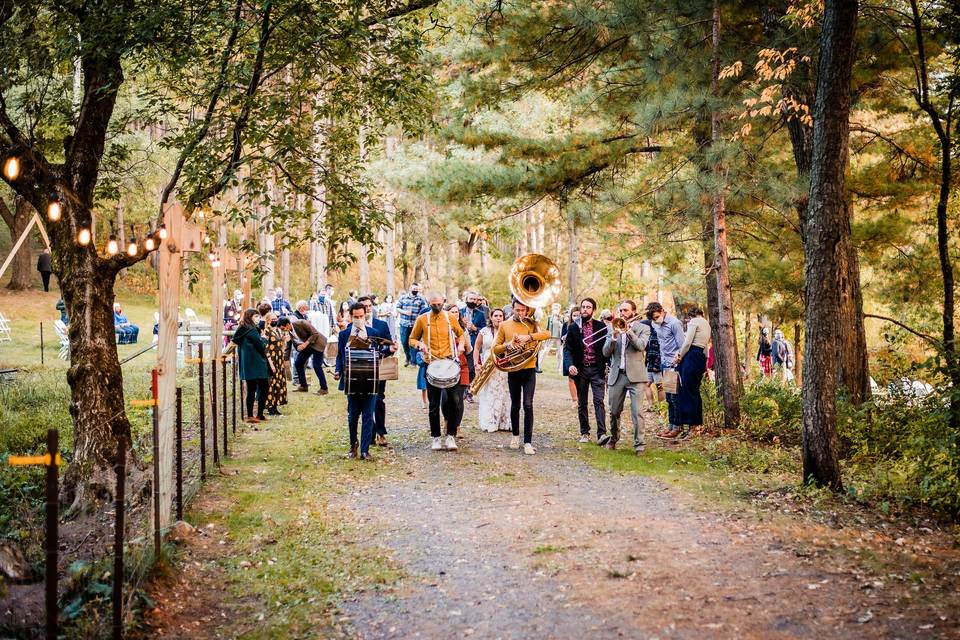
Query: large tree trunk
x=21, y=267
x=854, y=362
x=826, y=232
x=724, y=337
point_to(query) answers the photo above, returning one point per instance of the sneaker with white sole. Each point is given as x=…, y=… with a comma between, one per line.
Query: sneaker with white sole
x=528, y=449
x=451, y=443
x=515, y=442
x=437, y=444
x=584, y=438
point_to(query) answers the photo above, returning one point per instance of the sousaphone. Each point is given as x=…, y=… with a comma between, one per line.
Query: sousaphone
x=534, y=280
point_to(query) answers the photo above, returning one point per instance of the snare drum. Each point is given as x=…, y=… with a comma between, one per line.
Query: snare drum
x=443, y=373
x=361, y=364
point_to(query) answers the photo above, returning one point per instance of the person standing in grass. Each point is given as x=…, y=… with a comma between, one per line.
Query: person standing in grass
x=670, y=335
x=276, y=348
x=691, y=363
x=254, y=365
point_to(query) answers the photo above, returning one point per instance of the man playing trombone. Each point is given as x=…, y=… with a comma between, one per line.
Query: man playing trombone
x=587, y=368
x=625, y=346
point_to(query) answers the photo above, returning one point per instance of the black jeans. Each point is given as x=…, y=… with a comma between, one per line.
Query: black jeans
x=301, y=362
x=257, y=388
x=45, y=275
x=452, y=408
x=522, y=383
x=591, y=378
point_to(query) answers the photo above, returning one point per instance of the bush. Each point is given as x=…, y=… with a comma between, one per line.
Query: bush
x=902, y=449
x=771, y=413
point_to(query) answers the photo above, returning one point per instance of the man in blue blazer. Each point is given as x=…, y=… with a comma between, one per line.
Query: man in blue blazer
x=362, y=395
x=380, y=426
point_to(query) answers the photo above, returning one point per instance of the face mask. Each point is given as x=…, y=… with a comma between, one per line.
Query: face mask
x=358, y=323
x=471, y=305
x=436, y=308
x=415, y=292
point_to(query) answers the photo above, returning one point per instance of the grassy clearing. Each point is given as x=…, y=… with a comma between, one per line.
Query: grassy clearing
x=293, y=555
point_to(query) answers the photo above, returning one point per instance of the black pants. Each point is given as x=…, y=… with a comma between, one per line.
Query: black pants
x=45, y=275
x=591, y=378
x=309, y=353
x=452, y=409
x=522, y=385
x=257, y=388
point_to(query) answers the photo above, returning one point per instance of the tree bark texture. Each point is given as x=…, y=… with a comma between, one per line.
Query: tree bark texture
x=21, y=267
x=573, y=254
x=826, y=230
x=724, y=334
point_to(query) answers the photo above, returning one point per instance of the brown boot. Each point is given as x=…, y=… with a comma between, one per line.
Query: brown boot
x=353, y=451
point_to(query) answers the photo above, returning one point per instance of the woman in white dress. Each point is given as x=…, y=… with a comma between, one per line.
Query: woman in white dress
x=494, y=397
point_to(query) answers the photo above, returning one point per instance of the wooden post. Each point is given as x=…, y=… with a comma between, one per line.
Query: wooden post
x=181, y=237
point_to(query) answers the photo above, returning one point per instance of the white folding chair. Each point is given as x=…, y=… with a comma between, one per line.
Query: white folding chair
x=5, y=329
x=61, y=330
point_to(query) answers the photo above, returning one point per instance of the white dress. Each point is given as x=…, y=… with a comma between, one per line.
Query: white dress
x=494, y=397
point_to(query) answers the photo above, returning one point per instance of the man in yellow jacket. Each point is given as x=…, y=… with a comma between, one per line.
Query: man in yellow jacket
x=520, y=329
x=437, y=338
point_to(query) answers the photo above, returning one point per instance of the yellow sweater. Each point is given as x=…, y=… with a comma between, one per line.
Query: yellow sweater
x=440, y=346
x=510, y=328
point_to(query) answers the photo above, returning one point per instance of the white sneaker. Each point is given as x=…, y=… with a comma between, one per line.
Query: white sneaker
x=451, y=443
x=584, y=438
x=437, y=444
x=528, y=449
x=515, y=442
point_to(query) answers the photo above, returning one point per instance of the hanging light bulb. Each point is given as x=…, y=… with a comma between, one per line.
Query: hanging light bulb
x=149, y=244
x=83, y=237
x=163, y=232
x=113, y=247
x=11, y=168
x=54, y=210
x=132, y=247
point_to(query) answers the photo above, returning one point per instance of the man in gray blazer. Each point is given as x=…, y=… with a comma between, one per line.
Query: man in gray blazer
x=626, y=352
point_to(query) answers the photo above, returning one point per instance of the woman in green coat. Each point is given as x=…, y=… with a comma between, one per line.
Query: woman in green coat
x=254, y=365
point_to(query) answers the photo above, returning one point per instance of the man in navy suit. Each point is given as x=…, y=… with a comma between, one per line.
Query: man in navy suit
x=380, y=428
x=362, y=395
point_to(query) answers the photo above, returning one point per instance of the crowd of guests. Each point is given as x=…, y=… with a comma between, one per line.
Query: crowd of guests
x=646, y=357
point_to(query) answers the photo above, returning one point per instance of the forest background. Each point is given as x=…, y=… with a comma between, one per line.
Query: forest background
x=646, y=149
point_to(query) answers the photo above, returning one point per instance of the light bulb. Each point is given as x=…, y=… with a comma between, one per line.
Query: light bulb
x=54, y=210
x=132, y=248
x=163, y=232
x=149, y=244
x=11, y=168
x=113, y=247
x=83, y=237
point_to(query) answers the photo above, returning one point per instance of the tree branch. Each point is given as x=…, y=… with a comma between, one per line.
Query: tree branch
x=398, y=11
x=933, y=341
x=211, y=107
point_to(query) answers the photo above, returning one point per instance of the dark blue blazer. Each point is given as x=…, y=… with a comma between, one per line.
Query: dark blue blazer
x=379, y=328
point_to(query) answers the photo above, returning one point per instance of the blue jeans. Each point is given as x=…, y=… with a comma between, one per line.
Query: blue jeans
x=404, y=342
x=301, y=362
x=361, y=404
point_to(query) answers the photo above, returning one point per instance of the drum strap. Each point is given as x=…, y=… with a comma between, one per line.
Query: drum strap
x=452, y=337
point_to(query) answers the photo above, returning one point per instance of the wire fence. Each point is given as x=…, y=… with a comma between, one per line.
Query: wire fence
x=129, y=537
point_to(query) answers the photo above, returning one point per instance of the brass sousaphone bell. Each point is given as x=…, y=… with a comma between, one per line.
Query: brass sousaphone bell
x=534, y=280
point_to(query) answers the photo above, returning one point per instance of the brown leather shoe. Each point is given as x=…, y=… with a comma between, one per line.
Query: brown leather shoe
x=381, y=441
x=252, y=420
x=669, y=435
x=612, y=445
x=300, y=389
x=353, y=451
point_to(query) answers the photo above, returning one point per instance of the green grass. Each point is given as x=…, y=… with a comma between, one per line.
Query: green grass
x=293, y=554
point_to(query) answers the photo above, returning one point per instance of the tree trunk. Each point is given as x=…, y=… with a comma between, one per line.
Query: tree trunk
x=826, y=231
x=724, y=337
x=363, y=264
x=853, y=359
x=747, y=360
x=797, y=355
x=389, y=254
x=22, y=266
x=285, y=271
x=573, y=255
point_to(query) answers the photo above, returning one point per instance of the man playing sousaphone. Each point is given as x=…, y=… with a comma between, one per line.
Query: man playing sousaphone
x=515, y=333
x=441, y=342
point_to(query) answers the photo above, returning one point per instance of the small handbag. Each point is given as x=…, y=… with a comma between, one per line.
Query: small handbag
x=671, y=381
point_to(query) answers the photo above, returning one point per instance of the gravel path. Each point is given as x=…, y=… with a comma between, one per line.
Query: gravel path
x=500, y=545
